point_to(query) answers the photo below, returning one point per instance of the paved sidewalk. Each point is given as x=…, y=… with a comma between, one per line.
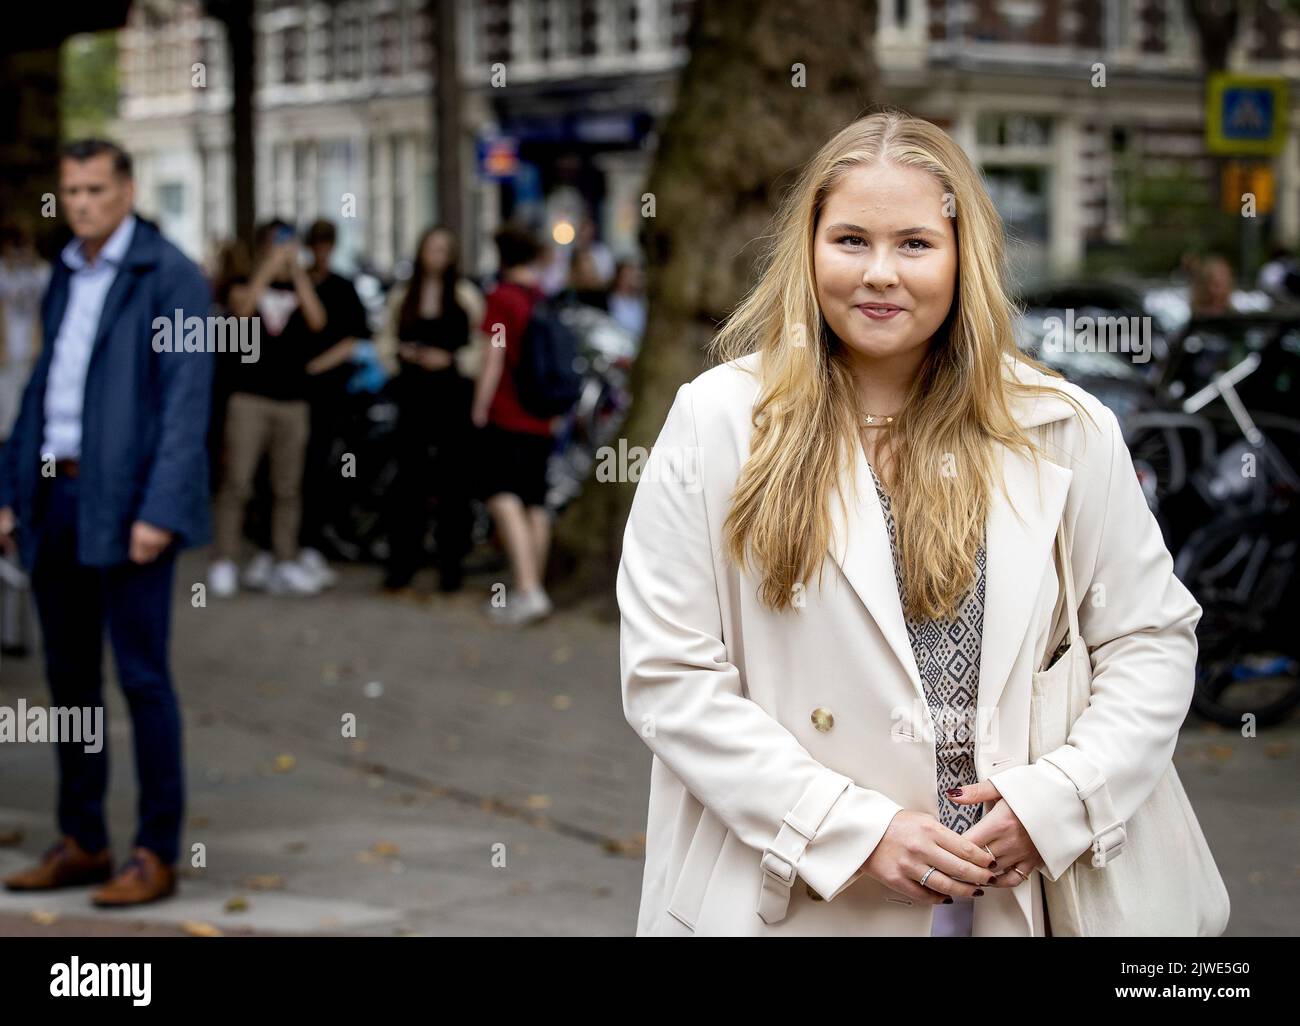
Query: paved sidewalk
x=473, y=745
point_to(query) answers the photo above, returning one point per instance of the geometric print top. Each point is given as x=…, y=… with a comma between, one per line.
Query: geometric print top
x=948, y=657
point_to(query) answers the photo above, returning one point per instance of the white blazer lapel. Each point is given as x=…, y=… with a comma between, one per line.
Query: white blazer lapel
x=861, y=547
x=1018, y=548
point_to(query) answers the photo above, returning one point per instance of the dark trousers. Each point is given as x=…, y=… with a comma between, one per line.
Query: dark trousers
x=433, y=413
x=320, y=471
x=75, y=603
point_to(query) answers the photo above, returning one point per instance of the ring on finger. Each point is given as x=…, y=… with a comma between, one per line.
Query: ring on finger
x=927, y=875
x=1022, y=875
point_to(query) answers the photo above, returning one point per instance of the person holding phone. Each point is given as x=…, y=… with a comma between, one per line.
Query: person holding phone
x=267, y=413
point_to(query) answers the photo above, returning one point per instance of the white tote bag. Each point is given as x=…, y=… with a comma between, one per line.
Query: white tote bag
x=1150, y=876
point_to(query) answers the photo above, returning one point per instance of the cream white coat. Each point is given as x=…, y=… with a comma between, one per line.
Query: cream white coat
x=722, y=689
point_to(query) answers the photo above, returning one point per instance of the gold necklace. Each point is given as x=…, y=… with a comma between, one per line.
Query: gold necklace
x=876, y=420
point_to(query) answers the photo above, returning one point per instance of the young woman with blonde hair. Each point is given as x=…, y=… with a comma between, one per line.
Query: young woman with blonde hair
x=838, y=581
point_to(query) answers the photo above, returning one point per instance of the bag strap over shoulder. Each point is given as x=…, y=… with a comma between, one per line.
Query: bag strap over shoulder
x=1061, y=553
x=1064, y=568
x=1108, y=829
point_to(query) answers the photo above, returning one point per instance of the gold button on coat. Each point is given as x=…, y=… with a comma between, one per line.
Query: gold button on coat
x=822, y=719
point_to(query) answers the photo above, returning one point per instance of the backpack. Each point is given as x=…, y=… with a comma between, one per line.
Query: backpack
x=547, y=378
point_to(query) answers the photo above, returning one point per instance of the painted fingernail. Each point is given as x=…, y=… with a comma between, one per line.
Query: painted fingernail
x=954, y=792
x=979, y=891
x=994, y=862
x=991, y=880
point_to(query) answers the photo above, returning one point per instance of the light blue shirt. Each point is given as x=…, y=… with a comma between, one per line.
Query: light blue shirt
x=66, y=386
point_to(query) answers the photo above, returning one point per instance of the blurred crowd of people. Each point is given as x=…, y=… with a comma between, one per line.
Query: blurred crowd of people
x=461, y=434
x=449, y=355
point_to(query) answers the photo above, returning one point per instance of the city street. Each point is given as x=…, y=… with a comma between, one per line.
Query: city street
x=493, y=787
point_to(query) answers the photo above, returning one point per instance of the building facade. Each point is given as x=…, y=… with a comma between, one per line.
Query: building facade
x=1016, y=82
x=573, y=88
x=345, y=123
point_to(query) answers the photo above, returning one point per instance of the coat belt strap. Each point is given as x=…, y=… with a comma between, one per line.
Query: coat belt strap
x=798, y=828
x=1108, y=833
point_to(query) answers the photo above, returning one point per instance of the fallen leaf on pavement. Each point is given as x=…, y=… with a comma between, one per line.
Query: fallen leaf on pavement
x=197, y=928
x=629, y=847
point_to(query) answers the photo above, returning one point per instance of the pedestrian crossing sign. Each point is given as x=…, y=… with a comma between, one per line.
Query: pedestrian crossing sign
x=1245, y=114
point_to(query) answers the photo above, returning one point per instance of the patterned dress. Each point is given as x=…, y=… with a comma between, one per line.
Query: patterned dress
x=948, y=656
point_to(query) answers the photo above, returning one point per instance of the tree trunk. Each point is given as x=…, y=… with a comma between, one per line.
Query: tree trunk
x=1216, y=27
x=237, y=18
x=741, y=128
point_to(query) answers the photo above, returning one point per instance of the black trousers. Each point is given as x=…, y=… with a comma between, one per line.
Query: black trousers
x=434, y=436
x=320, y=472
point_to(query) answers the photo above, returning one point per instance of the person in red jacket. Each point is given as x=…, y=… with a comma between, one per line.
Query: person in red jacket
x=516, y=445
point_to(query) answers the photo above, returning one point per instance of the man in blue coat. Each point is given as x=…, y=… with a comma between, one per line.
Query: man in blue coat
x=103, y=480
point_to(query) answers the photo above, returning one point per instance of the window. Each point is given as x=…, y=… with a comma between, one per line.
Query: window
x=625, y=27
x=1013, y=130
x=348, y=40
x=587, y=28
x=293, y=53
x=326, y=67
x=387, y=54
x=1020, y=195
x=495, y=25
x=171, y=200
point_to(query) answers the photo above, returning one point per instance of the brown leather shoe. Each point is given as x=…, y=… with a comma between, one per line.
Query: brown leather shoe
x=64, y=864
x=142, y=879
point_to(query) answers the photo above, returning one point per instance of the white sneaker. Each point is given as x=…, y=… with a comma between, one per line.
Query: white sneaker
x=223, y=578
x=257, y=575
x=289, y=578
x=522, y=607
x=316, y=565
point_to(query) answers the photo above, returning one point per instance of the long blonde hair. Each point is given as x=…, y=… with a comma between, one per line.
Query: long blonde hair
x=806, y=420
